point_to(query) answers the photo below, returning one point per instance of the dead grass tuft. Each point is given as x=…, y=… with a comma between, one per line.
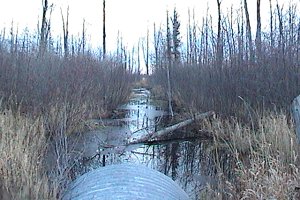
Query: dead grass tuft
x=22, y=148
x=265, y=158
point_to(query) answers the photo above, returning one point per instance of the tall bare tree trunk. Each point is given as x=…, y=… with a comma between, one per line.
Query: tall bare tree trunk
x=258, y=32
x=157, y=34
x=147, y=52
x=189, y=40
x=249, y=34
x=45, y=27
x=240, y=26
x=65, y=32
x=176, y=41
x=271, y=24
x=83, y=37
x=219, y=38
x=169, y=57
x=138, y=58
x=104, y=31
x=281, y=37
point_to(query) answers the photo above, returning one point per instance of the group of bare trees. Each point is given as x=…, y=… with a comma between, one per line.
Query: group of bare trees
x=219, y=67
x=45, y=32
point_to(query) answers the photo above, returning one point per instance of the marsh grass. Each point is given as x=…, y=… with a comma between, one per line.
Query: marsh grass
x=266, y=159
x=45, y=98
x=23, y=144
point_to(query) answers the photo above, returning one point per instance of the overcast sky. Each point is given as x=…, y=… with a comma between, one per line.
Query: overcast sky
x=130, y=17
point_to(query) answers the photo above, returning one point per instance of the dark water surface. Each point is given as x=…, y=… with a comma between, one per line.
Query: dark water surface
x=187, y=162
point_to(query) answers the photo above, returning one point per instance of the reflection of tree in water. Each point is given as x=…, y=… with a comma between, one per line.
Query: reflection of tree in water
x=171, y=156
x=193, y=164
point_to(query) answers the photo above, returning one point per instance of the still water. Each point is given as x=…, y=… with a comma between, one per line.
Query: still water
x=188, y=163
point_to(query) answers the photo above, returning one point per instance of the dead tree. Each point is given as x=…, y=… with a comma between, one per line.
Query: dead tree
x=271, y=24
x=176, y=42
x=281, y=37
x=169, y=58
x=146, y=52
x=219, y=38
x=65, y=32
x=188, y=39
x=249, y=34
x=258, y=32
x=191, y=40
x=104, y=30
x=138, y=58
x=240, y=27
x=83, y=37
x=45, y=26
x=157, y=35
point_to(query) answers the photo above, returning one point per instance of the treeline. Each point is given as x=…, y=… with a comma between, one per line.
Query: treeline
x=226, y=69
x=38, y=71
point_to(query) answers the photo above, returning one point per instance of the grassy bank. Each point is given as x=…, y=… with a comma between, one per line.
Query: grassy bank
x=44, y=98
x=250, y=84
x=266, y=163
x=23, y=144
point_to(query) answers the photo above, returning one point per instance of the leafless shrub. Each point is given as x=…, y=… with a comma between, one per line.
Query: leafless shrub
x=266, y=82
x=45, y=98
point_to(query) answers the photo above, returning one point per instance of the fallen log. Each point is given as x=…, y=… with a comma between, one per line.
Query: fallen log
x=150, y=138
x=165, y=131
x=203, y=135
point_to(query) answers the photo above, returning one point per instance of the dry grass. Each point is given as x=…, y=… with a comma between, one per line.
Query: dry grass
x=44, y=99
x=265, y=159
x=22, y=148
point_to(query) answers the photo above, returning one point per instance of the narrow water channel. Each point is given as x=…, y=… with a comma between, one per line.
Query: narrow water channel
x=187, y=162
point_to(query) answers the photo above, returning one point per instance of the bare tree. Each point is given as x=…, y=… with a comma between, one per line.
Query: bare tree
x=146, y=52
x=45, y=26
x=169, y=58
x=271, y=24
x=258, y=31
x=12, y=37
x=83, y=37
x=281, y=37
x=249, y=34
x=138, y=58
x=219, y=37
x=104, y=31
x=191, y=39
x=65, y=32
x=157, y=35
x=176, y=40
x=240, y=27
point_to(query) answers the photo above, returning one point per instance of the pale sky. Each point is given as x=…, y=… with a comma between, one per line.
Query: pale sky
x=130, y=17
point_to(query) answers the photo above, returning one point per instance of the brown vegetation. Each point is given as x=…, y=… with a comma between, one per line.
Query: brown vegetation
x=251, y=94
x=265, y=160
x=271, y=81
x=47, y=94
x=44, y=98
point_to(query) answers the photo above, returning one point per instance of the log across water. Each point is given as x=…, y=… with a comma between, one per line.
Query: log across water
x=167, y=130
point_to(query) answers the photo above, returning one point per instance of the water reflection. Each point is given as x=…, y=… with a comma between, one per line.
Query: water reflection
x=142, y=116
x=188, y=163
